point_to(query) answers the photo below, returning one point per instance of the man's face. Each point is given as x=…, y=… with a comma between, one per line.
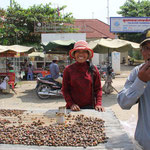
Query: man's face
x=81, y=56
x=146, y=51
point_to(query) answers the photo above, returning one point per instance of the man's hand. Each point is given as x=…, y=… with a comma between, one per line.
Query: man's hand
x=144, y=72
x=99, y=108
x=75, y=107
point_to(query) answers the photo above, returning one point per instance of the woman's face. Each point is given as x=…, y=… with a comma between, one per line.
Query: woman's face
x=146, y=51
x=81, y=56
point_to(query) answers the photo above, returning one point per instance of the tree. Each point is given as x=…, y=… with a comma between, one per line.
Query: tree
x=18, y=28
x=131, y=8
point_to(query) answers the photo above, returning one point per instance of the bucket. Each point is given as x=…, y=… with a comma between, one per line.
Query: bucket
x=62, y=109
x=60, y=118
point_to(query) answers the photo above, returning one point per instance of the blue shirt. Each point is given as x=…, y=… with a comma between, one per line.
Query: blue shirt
x=54, y=70
x=137, y=91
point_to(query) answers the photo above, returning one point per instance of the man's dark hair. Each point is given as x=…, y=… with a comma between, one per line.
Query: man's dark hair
x=54, y=61
x=30, y=65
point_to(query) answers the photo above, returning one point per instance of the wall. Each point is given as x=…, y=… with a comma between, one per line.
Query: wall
x=47, y=37
x=116, y=62
x=95, y=59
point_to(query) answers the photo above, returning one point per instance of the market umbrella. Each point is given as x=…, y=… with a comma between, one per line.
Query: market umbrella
x=38, y=54
x=12, y=50
x=58, y=46
x=34, y=54
x=109, y=45
x=16, y=49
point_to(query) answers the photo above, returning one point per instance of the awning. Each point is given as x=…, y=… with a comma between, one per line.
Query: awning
x=104, y=45
x=34, y=54
x=16, y=48
x=58, y=46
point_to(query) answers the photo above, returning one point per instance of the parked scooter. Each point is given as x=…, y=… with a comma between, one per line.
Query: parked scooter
x=47, y=86
x=110, y=71
x=104, y=71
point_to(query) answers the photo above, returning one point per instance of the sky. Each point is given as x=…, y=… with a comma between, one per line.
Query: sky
x=81, y=9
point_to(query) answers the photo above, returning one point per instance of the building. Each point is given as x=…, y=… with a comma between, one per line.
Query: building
x=95, y=29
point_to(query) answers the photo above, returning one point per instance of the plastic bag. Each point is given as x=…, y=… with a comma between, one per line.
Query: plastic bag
x=4, y=83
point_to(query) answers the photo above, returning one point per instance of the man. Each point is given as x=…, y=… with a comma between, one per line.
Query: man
x=25, y=68
x=137, y=90
x=54, y=70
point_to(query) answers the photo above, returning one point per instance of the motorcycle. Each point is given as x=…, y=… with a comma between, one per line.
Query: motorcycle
x=110, y=71
x=47, y=87
x=104, y=71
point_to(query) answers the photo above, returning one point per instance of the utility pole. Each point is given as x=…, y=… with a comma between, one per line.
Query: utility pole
x=108, y=12
x=92, y=15
x=10, y=3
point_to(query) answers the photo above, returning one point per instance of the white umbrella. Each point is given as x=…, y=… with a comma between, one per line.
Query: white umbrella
x=109, y=45
x=40, y=54
x=16, y=48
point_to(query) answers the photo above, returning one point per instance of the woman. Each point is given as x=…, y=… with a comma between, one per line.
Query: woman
x=77, y=83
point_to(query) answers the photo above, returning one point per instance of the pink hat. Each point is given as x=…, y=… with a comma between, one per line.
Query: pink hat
x=81, y=45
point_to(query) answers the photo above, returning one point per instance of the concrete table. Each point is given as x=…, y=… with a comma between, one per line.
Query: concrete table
x=118, y=138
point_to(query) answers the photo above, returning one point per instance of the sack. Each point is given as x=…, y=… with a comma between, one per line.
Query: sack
x=7, y=90
x=3, y=85
x=22, y=74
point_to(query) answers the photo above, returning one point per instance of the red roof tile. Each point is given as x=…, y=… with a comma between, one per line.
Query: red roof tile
x=94, y=28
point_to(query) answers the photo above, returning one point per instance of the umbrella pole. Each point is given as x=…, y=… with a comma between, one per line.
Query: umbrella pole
x=108, y=58
x=44, y=60
x=6, y=64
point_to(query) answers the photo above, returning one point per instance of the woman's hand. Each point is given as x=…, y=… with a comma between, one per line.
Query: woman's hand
x=75, y=107
x=99, y=108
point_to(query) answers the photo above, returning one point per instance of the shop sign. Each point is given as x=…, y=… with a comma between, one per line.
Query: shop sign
x=129, y=24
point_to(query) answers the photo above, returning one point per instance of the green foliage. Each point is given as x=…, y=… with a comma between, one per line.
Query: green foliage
x=137, y=55
x=18, y=28
x=2, y=12
x=131, y=8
